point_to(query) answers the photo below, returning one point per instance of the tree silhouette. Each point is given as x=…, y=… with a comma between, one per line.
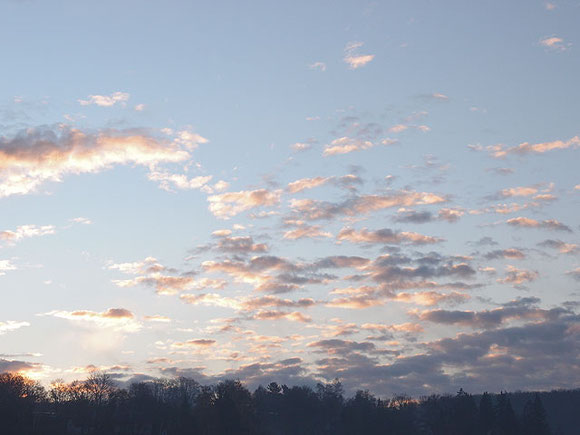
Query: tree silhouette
x=486, y=414
x=534, y=418
x=181, y=406
x=506, y=419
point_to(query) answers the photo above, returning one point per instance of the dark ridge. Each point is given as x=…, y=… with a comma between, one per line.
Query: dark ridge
x=180, y=406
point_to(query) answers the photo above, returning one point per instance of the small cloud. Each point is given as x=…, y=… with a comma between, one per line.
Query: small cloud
x=574, y=273
x=139, y=107
x=300, y=146
x=549, y=224
x=319, y=66
x=105, y=100
x=157, y=318
x=229, y=204
x=440, y=96
x=25, y=231
x=555, y=43
x=81, y=220
x=549, y=6
x=119, y=319
x=5, y=266
x=168, y=181
x=353, y=59
x=517, y=276
x=200, y=342
x=306, y=183
x=11, y=325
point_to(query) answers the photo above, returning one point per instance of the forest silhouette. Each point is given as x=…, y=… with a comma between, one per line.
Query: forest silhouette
x=180, y=406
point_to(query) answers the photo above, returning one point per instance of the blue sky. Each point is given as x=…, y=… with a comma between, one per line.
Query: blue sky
x=383, y=192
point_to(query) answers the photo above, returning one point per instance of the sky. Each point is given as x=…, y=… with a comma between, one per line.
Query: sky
x=383, y=192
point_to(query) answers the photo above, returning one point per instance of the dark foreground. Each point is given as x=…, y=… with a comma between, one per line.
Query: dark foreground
x=182, y=406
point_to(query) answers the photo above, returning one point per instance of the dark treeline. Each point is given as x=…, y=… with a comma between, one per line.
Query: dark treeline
x=182, y=406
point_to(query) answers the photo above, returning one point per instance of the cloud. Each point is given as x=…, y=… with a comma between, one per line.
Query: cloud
x=525, y=148
x=382, y=328
x=345, y=145
x=320, y=66
x=198, y=342
x=294, y=316
x=157, y=318
x=337, y=346
x=414, y=217
x=240, y=245
x=273, y=301
x=368, y=296
x=310, y=209
x=353, y=59
x=512, y=254
x=389, y=269
x=81, y=220
x=517, y=276
x=229, y=204
x=119, y=319
x=574, y=273
x=385, y=236
x=357, y=302
x=307, y=183
x=5, y=266
x=518, y=191
x=550, y=224
x=537, y=356
x=168, y=181
x=430, y=298
x=11, y=325
x=14, y=366
x=211, y=300
x=554, y=43
x=563, y=247
x=304, y=231
x=300, y=146
x=26, y=231
x=105, y=100
x=39, y=155
x=492, y=318
x=439, y=96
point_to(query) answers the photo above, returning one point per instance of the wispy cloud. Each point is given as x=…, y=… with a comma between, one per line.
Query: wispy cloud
x=119, y=319
x=106, y=100
x=554, y=43
x=36, y=156
x=353, y=58
x=229, y=204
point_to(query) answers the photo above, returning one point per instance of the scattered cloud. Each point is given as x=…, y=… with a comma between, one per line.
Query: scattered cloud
x=6, y=266
x=229, y=204
x=385, y=236
x=353, y=58
x=11, y=325
x=119, y=319
x=319, y=66
x=39, y=155
x=26, y=231
x=549, y=224
x=554, y=43
x=526, y=148
x=106, y=100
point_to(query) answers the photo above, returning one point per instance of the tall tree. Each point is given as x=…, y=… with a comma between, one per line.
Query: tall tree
x=534, y=419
